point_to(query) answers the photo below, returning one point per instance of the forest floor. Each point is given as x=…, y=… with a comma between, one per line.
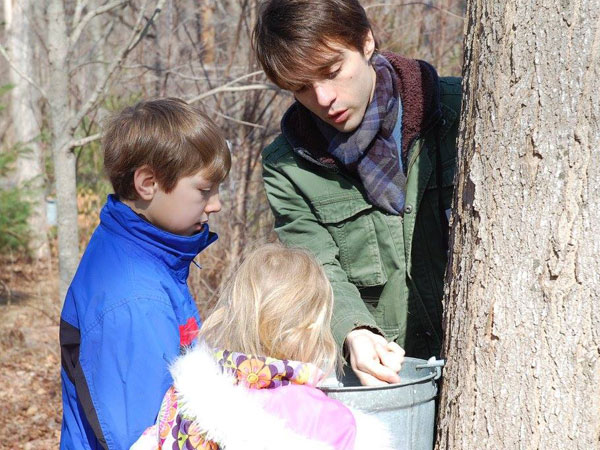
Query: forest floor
x=30, y=391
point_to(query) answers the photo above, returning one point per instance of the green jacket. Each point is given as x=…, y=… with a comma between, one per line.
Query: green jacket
x=387, y=271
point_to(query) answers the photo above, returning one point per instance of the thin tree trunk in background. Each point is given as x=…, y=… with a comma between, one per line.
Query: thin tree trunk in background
x=522, y=322
x=163, y=42
x=62, y=154
x=441, y=44
x=64, y=118
x=24, y=112
x=208, y=31
x=240, y=170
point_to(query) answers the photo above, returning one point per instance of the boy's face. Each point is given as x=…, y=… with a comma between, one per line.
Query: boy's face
x=185, y=209
x=341, y=99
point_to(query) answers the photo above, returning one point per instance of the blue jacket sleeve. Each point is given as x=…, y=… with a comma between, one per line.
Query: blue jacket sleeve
x=124, y=358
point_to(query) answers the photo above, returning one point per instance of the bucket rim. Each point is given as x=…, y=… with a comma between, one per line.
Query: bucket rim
x=431, y=376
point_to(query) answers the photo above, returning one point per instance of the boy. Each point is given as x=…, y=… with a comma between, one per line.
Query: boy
x=128, y=310
x=362, y=175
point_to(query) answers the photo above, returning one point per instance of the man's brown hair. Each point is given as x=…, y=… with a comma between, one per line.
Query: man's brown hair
x=169, y=136
x=295, y=40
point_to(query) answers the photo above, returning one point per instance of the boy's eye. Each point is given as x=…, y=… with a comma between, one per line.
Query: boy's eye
x=301, y=89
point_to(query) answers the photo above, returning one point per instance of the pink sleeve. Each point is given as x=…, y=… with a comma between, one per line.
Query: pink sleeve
x=309, y=412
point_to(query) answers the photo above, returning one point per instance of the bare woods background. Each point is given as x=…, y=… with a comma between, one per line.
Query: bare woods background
x=66, y=65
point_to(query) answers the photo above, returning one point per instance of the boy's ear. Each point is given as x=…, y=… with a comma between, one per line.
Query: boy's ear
x=369, y=46
x=145, y=182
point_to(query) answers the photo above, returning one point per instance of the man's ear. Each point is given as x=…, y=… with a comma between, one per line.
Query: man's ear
x=145, y=183
x=369, y=46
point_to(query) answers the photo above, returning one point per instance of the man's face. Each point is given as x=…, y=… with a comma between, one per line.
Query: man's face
x=341, y=98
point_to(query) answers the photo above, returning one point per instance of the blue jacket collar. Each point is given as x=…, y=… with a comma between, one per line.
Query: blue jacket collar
x=177, y=252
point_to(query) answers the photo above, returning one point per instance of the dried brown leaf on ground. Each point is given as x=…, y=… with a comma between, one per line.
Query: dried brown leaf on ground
x=30, y=392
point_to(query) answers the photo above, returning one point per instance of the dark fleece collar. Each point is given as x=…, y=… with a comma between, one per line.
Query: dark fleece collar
x=419, y=89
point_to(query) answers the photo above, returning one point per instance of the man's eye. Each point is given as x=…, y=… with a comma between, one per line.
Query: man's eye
x=301, y=89
x=335, y=73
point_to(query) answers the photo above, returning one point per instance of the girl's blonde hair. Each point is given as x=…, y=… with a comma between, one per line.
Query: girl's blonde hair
x=278, y=304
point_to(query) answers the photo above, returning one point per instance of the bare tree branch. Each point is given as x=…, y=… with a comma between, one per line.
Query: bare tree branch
x=89, y=16
x=178, y=74
x=8, y=14
x=152, y=67
x=79, y=7
x=88, y=63
x=86, y=140
x=250, y=87
x=223, y=88
x=108, y=29
x=21, y=74
x=243, y=77
x=241, y=122
x=137, y=34
x=427, y=5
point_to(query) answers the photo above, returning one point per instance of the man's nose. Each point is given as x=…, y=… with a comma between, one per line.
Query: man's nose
x=324, y=93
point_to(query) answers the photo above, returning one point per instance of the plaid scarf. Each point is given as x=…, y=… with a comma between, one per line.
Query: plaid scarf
x=416, y=88
x=370, y=151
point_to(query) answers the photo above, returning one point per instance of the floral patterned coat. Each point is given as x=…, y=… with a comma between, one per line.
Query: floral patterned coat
x=230, y=401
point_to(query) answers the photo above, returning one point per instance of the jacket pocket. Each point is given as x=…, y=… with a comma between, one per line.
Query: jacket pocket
x=388, y=305
x=371, y=295
x=348, y=218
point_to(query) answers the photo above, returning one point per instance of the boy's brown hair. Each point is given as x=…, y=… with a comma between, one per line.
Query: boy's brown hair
x=172, y=138
x=297, y=41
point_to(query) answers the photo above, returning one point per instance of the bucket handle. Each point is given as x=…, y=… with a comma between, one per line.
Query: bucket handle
x=433, y=363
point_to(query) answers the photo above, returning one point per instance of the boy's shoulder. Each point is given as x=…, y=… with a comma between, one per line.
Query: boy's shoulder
x=112, y=273
x=115, y=259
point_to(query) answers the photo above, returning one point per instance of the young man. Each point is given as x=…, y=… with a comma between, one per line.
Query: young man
x=128, y=311
x=362, y=175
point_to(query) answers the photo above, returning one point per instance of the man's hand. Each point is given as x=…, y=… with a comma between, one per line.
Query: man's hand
x=375, y=361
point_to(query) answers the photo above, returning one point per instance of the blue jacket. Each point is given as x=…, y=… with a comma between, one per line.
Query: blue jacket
x=126, y=315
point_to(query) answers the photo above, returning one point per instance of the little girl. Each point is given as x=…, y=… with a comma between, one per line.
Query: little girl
x=257, y=390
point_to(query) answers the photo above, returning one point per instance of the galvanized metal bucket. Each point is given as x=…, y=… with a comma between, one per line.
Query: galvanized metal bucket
x=407, y=408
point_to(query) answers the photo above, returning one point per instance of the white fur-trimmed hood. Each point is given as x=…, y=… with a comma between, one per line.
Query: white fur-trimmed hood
x=236, y=420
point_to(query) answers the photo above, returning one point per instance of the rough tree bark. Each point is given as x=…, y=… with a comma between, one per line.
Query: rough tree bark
x=24, y=113
x=522, y=304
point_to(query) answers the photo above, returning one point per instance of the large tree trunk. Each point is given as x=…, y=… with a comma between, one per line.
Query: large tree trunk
x=24, y=112
x=62, y=154
x=522, y=311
